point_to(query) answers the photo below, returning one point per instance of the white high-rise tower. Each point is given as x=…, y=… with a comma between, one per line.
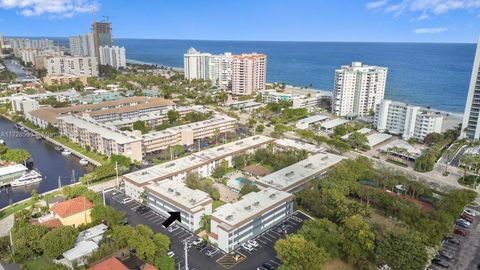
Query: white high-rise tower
x=471, y=123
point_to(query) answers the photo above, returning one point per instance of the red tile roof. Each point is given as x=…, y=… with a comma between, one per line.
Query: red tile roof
x=71, y=207
x=52, y=223
x=111, y=263
x=213, y=235
x=149, y=267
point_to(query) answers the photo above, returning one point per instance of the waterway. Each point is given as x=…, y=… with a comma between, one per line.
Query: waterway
x=15, y=67
x=48, y=161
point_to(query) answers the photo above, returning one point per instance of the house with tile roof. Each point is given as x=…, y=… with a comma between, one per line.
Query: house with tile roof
x=73, y=212
x=111, y=263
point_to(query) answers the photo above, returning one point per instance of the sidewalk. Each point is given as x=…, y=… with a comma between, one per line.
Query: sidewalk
x=6, y=225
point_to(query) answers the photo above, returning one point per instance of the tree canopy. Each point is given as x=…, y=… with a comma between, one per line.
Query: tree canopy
x=58, y=240
x=296, y=253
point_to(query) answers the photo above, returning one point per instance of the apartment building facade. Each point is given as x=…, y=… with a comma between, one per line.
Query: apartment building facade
x=74, y=65
x=358, y=89
x=196, y=65
x=220, y=70
x=83, y=45
x=113, y=56
x=248, y=73
x=406, y=120
x=24, y=105
x=174, y=196
x=234, y=223
x=471, y=121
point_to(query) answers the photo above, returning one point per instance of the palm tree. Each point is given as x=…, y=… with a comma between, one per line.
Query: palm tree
x=467, y=160
x=449, y=153
x=205, y=221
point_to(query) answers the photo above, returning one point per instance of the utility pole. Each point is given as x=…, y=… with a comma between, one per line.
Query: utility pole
x=103, y=194
x=185, y=247
x=116, y=172
x=73, y=176
x=59, y=182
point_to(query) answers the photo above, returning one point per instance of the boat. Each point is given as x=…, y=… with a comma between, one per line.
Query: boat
x=2, y=141
x=28, y=178
x=38, y=137
x=66, y=152
x=83, y=162
x=58, y=148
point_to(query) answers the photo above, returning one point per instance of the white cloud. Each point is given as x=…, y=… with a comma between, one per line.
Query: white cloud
x=428, y=8
x=376, y=4
x=57, y=8
x=430, y=30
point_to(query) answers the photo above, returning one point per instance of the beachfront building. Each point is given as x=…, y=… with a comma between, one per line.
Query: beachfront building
x=83, y=45
x=26, y=43
x=471, y=117
x=175, y=196
x=312, y=101
x=75, y=65
x=99, y=137
x=196, y=65
x=113, y=56
x=358, y=89
x=234, y=223
x=272, y=96
x=406, y=120
x=220, y=70
x=248, y=73
x=203, y=163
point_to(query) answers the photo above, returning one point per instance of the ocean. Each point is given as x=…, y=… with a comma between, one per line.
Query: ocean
x=432, y=75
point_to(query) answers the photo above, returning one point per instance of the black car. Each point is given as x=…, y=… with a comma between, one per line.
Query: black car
x=268, y=266
x=441, y=263
x=142, y=209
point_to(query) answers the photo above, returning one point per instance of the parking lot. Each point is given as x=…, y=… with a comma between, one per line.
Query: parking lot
x=208, y=256
x=462, y=251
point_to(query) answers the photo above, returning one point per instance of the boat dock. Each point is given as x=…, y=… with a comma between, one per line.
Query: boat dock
x=52, y=141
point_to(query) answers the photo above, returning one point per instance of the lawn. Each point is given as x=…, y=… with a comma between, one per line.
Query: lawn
x=217, y=204
x=13, y=209
x=338, y=264
x=41, y=263
x=98, y=157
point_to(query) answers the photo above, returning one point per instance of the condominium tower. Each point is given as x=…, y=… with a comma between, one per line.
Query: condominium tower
x=113, y=56
x=248, y=73
x=196, y=65
x=73, y=65
x=102, y=35
x=220, y=70
x=358, y=89
x=83, y=45
x=471, y=123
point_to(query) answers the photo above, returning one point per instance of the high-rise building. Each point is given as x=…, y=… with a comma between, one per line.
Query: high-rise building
x=196, y=65
x=471, y=123
x=113, y=56
x=358, y=89
x=26, y=43
x=1, y=43
x=248, y=73
x=220, y=70
x=73, y=65
x=406, y=120
x=83, y=45
x=102, y=35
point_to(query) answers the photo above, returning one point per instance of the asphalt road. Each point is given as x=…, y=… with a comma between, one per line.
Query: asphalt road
x=239, y=259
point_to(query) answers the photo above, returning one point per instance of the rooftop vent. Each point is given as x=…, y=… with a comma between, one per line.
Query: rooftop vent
x=177, y=193
x=272, y=196
x=248, y=208
x=255, y=138
x=238, y=143
x=229, y=217
x=325, y=157
x=144, y=173
x=220, y=149
x=290, y=174
x=193, y=201
x=170, y=189
x=309, y=165
x=256, y=203
x=170, y=165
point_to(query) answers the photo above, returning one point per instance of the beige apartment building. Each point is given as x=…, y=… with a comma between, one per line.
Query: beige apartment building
x=64, y=79
x=74, y=65
x=248, y=73
x=100, y=138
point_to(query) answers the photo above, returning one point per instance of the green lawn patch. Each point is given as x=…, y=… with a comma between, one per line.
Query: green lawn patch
x=95, y=156
x=12, y=209
x=30, y=125
x=217, y=204
x=41, y=263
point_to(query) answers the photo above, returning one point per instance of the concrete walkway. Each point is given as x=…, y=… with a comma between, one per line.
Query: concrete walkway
x=6, y=225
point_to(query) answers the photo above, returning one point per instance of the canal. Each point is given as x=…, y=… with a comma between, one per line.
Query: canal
x=48, y=161
x=15, y=67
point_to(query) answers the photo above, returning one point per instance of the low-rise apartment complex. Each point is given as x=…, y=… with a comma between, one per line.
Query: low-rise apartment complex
x=406, y=120
x=174, y=196
x=74, y=65
x=234, y=223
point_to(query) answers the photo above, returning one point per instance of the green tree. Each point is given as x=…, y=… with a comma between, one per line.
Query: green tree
x=433, y=138
x=220, y=170
x=357, y=140
x=173, y=116
x=58, y=240
x=121, y=160
x=358, y=240
x=401, y=252
x=16, y=155
x=142, y=126
x=104, y=213
x=26, y=239
x=247, y=188
x=324, y=234
x=259, y=128
x=297, y=253
x=205, y=221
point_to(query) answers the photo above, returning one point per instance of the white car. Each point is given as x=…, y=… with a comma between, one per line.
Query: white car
x=469, y=212
x=246, y=246
x=252, y=243
x=197, y=241
x=126, y=200
x=170, y=254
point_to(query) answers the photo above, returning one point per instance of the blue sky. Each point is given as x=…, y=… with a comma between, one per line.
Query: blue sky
x=286, y=20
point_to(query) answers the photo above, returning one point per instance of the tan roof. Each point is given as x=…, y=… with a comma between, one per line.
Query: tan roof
x=150, y=104
x=50, y=114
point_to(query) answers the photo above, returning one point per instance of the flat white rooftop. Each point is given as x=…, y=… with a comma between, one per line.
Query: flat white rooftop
x=377, y=138
x=298, y=145
x=413, y=151
x=98, y=128
x=167, y=169
x=295, y=175
x=249, y=206
x=313, y=119
x=361, y=131
x=7, y=170
x=177, y=193
x=334, y=123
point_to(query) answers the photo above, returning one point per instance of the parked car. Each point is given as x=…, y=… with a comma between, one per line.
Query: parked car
x=247, y=246
x=197, y=241
x=461, y=224
x=469, y=212
x=268, y=266
x=252, y=243
x=170, y=254
x=467, y=217
x=202, y=245
x=453, y=241
x=142, y=209
x=465, y=221
x=460, y=231
x=126, y=200
x=440, y=263
x=447, y=255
